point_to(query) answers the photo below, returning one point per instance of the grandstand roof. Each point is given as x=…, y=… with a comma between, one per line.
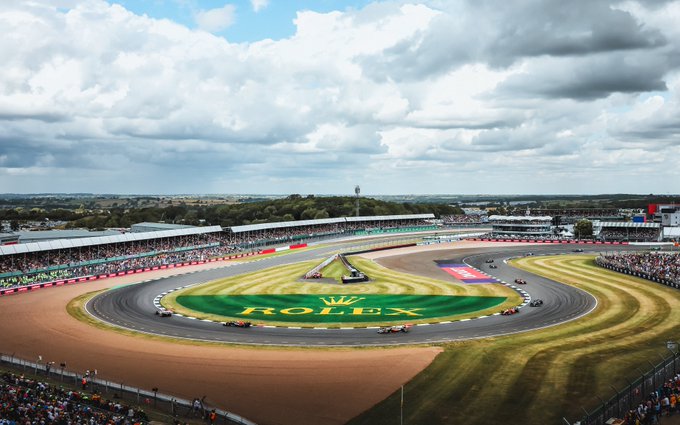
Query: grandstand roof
x=282, y=224
x=624, y=224
x=520, y=218
x=299, y=223
x=102, y=240
x=46, y=235
x=158, y=226
x=428, y=216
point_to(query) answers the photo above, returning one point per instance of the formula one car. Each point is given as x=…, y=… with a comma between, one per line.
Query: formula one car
x=493, y=266
x=394, y=329
x=164, y=313
x=520, y=281
x=536, y=303
x=510, y=311
x=237, y=324
x=578, y=250
x=490, y=260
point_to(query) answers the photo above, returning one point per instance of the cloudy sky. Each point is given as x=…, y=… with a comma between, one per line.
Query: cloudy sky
x=316, y=96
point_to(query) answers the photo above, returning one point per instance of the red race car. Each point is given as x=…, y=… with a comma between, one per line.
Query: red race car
x=510, y=311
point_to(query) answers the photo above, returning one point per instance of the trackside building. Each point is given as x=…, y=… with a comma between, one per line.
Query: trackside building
x=520, y=226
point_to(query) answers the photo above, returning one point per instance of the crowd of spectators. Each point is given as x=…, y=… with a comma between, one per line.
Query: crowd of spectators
x=448, y=220
x=71, y=257
x=598, y=213
x=629, y=234
x=532, y=221
x=140, y=262
x=519, y=236
x=51, y=265
x=662, y=402
x=292, y=234
x=284, y=234
x=655, y=265
x=26, y=401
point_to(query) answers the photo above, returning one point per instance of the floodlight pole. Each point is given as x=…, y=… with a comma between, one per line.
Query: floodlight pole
x=401, y=410
x=357, y=191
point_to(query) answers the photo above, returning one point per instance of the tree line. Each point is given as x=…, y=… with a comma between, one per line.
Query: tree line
x=291, y=208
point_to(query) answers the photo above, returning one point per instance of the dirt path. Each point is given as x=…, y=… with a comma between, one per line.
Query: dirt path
x=268, y=386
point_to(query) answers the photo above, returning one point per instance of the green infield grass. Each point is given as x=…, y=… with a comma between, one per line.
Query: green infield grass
x=539, y=377
x=212, y=300
x=336, y=308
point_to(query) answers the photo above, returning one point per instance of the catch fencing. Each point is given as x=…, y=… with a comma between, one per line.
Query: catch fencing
x=173, y=406
x=637, y=391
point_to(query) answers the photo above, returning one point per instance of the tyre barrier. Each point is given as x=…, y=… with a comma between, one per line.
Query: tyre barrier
x=355, y=275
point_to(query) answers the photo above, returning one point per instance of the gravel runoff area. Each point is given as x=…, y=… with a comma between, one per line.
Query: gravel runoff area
x=268, y=386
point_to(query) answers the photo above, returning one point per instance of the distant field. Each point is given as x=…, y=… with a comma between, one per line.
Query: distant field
x=541, y=376
x=287, y=280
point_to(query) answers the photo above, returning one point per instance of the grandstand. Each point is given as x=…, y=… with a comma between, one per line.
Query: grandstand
x=252, y=235
x=564, y=216
x=520, y=226
x=465, y=220
x=67, y=259
x=608, y=231
x=663, y=267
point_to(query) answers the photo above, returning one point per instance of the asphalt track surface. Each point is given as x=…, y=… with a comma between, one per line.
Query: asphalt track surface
x=132, y=307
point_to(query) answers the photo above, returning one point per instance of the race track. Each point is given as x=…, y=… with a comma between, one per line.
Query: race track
x=132, y=307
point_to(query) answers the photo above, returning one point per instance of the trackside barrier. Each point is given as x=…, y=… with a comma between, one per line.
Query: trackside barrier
x=548, y=241
x=630, y=396
x=176, y=407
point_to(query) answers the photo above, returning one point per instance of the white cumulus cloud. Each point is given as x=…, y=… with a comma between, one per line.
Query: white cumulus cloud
x=216, y=20
x=259, y=4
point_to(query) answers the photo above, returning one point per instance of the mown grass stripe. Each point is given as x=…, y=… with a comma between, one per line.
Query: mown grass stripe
x=541, y=376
